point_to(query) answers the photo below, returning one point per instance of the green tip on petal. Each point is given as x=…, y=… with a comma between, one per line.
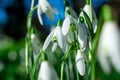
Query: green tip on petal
x=72, y=27
x=54, y=39
x=66, y=3
x=43, y=56
x=68, y=12
x=81, y=19
x=88, y=2
x=107, y=13
x=59, y=23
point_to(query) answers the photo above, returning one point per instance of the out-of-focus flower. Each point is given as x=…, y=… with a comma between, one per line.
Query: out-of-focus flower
x=47, y=72
x=45, y=7
x=80, y=64
x=57, y=37
x=109, y=47
x=35, y=43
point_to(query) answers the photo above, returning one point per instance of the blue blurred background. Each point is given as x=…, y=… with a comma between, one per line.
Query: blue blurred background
x=13, y=14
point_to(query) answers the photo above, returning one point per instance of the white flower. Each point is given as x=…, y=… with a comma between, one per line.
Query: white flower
x=87, y=9
x=57, y=37
x=47, y=72
x=82, y=34
x=68, y=10
x=80, y=64
x=109, y=47
x=69, y=26
x=35, y=43
x=48, y=9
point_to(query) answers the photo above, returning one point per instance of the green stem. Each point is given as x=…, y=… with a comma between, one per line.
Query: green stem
x=68, y=71
x=27, y=57
x=62, y=70
x=68, y=51
x=33, y=72
x=93, y=66
x=28, y=44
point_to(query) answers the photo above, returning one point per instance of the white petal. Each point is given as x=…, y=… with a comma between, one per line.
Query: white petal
x=70, y=37
x=87, y=10
x=39, y=12
x=103, y=60
x=44, y=4
x=112, y=41
x=47, y=72
x=82, y=36
x=35, y=43
x=65, y=47
x=80, y=64
x=54, y=47
x=66, y=25
x=72, y=12
x=59, y=36
x=48, y=40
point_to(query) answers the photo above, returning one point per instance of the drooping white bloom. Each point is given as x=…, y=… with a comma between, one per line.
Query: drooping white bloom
x=87, y=8
x=45, y=7
x=47, y=72
x=57, y=37
x=68, y=9
x=109, y=47
x=69, y=26
x=82, y=34
x=80, y=64
x=35, y=43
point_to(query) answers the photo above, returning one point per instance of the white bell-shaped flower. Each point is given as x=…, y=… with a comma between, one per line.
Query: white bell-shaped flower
x=69, y=10
x=69, y=26
x=109, y=47
x=57, y=37
x=35, y=43
x=87, y=8
x=47, y=72
x=82, y=34
x=45, y=7
x=80, y=63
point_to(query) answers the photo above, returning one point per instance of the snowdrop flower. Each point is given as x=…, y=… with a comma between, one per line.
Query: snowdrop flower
x=87, y=8
x=45, y=7
x=69, y=26
x=57, y=37
x=47, y=72
x=82, y=34
x=35, y=43
x=80, y=64
x=109, y=48
x=69, y=10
